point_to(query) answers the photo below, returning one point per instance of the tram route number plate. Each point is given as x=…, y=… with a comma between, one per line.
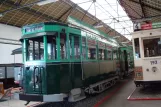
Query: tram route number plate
x=153, y=62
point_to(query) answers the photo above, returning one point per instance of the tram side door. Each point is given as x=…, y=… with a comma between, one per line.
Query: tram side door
x=34, y=77
x=123, y=62
x=38, y=79
x=126, y=62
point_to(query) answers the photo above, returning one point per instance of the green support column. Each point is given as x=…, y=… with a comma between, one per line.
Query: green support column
x=45, y=48
x=45, y=59
x=80, y=46
x=86, y=48
x=97, y=52
x=68, y=46
x=112, y=54
x=117, y=54
x=24, y=54
x=107, y=53
x=72, y=47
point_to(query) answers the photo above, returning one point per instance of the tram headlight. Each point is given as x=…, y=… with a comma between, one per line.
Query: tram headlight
x=154, y=69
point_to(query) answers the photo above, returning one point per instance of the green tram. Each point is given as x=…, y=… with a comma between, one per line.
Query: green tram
x=65, y=62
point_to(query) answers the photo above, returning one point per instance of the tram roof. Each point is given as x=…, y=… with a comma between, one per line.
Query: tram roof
x=142, y=11
x=90, y=29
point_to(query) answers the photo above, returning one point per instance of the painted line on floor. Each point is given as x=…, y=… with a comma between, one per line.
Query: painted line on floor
x=34, y=104
x=140, y=99
x=137, y=99
x=131, y=94
x=110, y=95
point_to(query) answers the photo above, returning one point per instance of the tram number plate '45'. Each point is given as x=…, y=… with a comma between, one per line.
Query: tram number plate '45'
x=153, y=62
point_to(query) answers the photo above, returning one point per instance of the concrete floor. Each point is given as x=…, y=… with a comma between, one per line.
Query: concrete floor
x=15, y=103
x=119, y=99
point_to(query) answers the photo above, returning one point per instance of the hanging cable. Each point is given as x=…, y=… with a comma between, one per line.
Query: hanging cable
x=84, y=2
x=114, y=10
x=95, y=9
x=86, y=11
x=109, y=14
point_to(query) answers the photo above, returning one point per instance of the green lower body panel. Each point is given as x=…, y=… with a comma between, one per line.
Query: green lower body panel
x=61, y=77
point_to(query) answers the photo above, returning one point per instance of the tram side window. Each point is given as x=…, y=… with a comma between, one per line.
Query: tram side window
x=101, y=54
x=115, y=55
x=70, y=46
x=105, y=54
x=35, y=49
x=84, y=47
x=109, y=55
x=92, y=53
x=51, y=47
x=76, y=48
x=152, y=47
x=63, y=46
x=137, y=48
x=30, y=50
x=92, y=49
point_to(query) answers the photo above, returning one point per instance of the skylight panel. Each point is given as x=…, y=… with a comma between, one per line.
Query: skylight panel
x=111, y=13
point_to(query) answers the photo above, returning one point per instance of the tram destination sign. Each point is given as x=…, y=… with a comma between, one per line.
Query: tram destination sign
x=147, y=26
x=156, y=25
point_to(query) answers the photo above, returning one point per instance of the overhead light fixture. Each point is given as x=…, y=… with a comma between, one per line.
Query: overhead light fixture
x=98, y=26
x=116, y=37
x=126, y=42
x=44, y=2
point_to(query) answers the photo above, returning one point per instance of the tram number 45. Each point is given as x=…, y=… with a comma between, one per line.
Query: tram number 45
x=153, y=62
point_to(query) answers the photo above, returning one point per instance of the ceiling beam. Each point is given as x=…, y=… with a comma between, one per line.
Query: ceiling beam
x=122, y=1
x=146, y=18
x=65, y=13
x=25, y=9
x=147, y=5
x=142, y=5
x=69, y=11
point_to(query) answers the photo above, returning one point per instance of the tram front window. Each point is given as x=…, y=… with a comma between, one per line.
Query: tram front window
x=51, y=47
x=137, y=48
x=152, y=47
x=35, y=49
x=63, y=46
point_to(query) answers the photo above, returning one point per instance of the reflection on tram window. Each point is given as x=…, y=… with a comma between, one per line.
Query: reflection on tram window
x=137, y=48
x=105, y=54
x=109, y=55
x=92, y=52
x=63, y=46
x=101, y=54
x=35, y=49
x=76, y=48
x=114, y=54
x=70, y=46
x=84, y=47
x=152, y=47
x=51, y=47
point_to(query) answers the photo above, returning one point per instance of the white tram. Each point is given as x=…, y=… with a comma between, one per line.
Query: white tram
x=147, y=54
